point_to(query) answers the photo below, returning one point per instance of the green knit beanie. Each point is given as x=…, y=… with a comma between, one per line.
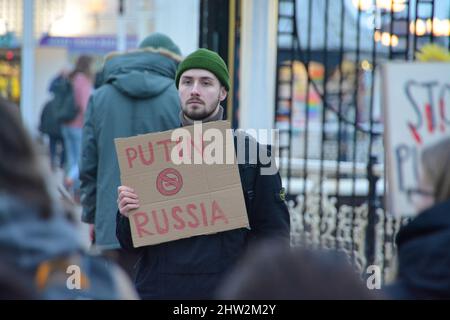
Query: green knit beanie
x=160, y=41
x=208, y=60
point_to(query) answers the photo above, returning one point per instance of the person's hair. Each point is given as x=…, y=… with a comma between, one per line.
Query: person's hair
x=20, y=171
x=83, y=65
x=273, y=271
x=436, y=168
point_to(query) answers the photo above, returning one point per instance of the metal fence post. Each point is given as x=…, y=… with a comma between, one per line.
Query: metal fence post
x=372, y=219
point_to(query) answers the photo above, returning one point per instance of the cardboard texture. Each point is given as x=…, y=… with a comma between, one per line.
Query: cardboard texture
x=416, y=113
x=180, y=201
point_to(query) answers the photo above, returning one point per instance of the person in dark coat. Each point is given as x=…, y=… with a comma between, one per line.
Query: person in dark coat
x=423, y=244
x=193, y=268
x=51, y=126
x=137, y=96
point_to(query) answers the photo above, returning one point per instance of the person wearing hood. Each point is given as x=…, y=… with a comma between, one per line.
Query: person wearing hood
x=37, y=240
x=137, y=96
x=193, y=268
x=423, y=244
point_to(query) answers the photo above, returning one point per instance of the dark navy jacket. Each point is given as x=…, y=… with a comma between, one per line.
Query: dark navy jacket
x=424, y=256
x=193, y=268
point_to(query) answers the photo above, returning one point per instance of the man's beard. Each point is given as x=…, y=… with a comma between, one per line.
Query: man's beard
x=200, y=116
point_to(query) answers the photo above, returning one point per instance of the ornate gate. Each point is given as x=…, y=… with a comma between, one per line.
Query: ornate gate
x=329, y=115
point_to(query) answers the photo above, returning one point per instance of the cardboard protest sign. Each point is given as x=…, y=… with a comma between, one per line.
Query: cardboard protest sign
x=416, y=113
x=181, y=200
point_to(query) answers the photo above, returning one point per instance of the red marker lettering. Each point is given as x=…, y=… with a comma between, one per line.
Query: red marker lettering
x=166, y=144
x=205, y=218
x=159, y=229
x=190, y=209
x=217, y=213
x=415, y=134
x=140, y=220
x=131, y=156
x=180, y=222
x=429, y=116
x=149, y=161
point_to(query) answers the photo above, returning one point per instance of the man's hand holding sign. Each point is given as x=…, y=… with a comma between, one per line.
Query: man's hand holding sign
x=127, y=200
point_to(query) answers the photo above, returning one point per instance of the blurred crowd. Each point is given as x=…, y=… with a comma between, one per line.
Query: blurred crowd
x=42, y=249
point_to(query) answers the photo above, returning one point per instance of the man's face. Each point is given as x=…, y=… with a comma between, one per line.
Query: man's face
x=200, y=93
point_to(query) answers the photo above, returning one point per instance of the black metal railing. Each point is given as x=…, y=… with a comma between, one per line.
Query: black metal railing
x=328, y=110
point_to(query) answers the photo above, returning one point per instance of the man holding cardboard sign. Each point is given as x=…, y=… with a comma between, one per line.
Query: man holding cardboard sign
x=180, y=200
x=189, y=221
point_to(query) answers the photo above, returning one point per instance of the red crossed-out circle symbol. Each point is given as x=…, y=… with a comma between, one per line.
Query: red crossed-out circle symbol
x=169, y=182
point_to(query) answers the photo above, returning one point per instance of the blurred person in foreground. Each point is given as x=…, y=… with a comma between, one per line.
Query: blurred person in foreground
x=274, y=272
x=36, y=238
x=13, y=286
x=423, y=244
